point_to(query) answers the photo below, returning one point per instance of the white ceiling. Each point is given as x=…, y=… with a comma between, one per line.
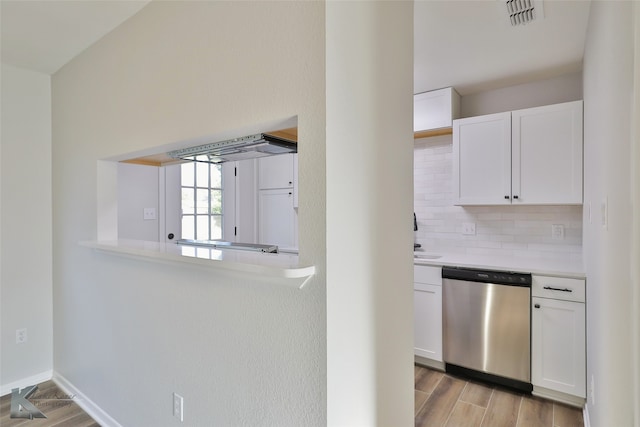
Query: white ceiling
x=44, y=35
x=472, y=46
x=469, y=45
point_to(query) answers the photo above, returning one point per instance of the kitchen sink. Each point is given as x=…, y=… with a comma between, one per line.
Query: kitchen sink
x=426, y=256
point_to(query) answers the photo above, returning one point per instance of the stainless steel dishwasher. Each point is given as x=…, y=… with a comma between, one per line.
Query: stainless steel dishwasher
x=487, y=325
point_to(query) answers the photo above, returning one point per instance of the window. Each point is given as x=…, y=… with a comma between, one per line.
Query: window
x=201, y=186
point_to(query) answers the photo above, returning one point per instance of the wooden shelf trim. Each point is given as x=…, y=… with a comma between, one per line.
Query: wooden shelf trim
x=432, y=132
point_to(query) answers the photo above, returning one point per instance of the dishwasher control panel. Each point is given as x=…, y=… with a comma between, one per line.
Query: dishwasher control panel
x=487, y=276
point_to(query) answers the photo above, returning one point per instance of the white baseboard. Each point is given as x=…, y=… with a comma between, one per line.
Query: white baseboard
x=557, y=396
x=429, y=363
x=26, y=382
x=585, y=416
x=94, y=411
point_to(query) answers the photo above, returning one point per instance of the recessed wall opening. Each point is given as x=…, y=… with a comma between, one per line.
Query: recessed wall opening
x=154, y=196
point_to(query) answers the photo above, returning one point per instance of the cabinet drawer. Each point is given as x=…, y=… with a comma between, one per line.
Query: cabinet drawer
x=559, y=288
x=427, y=274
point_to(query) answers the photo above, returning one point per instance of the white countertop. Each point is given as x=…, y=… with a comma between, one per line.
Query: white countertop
x=282, y=266
x=562, y=266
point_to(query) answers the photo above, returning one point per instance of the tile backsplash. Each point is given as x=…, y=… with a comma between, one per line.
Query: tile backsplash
x=521, y=231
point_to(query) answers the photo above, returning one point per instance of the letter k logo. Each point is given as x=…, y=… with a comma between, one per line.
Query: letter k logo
x=21, y=407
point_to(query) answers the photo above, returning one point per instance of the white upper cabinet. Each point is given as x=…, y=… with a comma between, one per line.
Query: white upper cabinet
x=275, y=172
x=482, y=159
x=531, y=156
x=547, y=154
x=435, y=109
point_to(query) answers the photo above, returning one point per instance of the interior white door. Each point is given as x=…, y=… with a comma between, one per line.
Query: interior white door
x=246, y=205
x=171, y=206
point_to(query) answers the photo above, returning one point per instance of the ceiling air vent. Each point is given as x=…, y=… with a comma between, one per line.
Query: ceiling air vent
x=524, y=11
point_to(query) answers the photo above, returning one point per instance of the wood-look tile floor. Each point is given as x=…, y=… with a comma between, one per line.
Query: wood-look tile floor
x=443, y=400
x=48, y=399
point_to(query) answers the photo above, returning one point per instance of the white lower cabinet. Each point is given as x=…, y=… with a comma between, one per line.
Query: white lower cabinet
x=558, y=343
x=276, y=218
x=427, y=312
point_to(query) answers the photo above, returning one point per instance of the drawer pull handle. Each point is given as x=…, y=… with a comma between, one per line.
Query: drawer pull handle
x=558, y=289
x=537, y=305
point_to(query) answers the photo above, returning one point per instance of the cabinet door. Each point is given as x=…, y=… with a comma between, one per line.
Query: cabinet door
x=427, y=315
x=558, y=360
x=482, y=160
x=275, y=172
x=547, y=154
x=277, y=222
x=295, y=180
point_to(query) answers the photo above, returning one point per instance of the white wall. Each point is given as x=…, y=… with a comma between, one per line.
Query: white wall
x=369, y=202
x=25, y=227
x=564, y=88
x=521, y=231
x=608, y=90
x=241, y=352
x=635, y=186
x=138, y=188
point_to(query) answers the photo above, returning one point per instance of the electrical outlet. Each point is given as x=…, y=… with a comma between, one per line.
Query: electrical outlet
x=469, y=228
x=592, y=388
x=557, y=232
x=21, y=335
x=149, y=213
x=178, y=406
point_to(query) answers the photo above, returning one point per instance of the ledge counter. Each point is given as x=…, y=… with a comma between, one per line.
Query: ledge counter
x=282, y=268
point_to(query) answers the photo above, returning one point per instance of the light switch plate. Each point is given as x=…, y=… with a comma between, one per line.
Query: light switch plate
x=178, y=406
x=604, y=213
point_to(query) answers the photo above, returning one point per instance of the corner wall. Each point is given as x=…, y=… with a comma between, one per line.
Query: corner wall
x=240, y=352
x=635, y=253
x=608, y=105
x=25, y=228
x=369, y=200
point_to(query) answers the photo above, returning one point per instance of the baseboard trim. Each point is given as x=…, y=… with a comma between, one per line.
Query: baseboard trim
x=26, y=382
x=585, y=416
x=89, y=406
x=429, y=363
x=568, y=399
